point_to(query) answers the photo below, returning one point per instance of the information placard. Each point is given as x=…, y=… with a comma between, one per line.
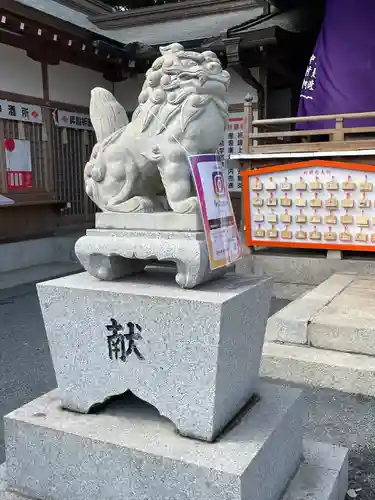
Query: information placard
x=232, y=144
x=223, y=241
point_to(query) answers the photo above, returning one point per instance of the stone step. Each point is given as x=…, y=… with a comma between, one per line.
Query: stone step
x=323, y=475
x=129, y=449
x=304, y=365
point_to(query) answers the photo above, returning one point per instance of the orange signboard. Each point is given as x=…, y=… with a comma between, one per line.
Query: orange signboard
x=313, y=204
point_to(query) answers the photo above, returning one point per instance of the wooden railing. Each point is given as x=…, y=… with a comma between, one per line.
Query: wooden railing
x=280, y=139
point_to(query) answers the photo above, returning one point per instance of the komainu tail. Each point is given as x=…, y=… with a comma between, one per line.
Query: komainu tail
x=106, y=113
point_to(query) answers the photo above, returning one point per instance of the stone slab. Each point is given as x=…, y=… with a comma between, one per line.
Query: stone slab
x=139, y=233
x=158, y=221
x=351, y=373
x=33, y=274
x=302, y=268
x=130, y=449
x=347, y=322
x=292, y=323
x=113, y=254
x=208, y=339
x=327, y=457
x=289, y=291
x=323, y=475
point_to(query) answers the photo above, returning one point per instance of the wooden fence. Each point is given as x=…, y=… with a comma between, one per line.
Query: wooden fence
x=281, y=136
x=58, y=157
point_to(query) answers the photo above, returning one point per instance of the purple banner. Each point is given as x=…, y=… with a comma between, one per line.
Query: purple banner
x=340, y=77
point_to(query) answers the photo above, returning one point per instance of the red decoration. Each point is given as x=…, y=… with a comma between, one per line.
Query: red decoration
x=9, y=144
x=18, y=181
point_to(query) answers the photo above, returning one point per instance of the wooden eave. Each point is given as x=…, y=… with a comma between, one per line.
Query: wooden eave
x=47, y=39
x=170, y=12
x=37, y=16
x=89, y=7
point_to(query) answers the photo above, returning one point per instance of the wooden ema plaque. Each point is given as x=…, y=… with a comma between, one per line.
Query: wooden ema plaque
x=312, y=204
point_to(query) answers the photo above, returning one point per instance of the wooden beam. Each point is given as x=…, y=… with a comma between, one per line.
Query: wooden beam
x=18, y=9
x=10, y=96
x=45, y=80
x=23, y=34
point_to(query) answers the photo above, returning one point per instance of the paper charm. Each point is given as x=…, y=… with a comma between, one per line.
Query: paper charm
x=332, y=185
x=286, y=234
x=366, y=186
x=330, y=235
x=258, y=186
x=315, y=235
x=345, y=236
x=332, y=203
x=286, y=218
x=349, y=185
x=301, y=185
x=271, y=185
x=315, y=202
x=286, y=186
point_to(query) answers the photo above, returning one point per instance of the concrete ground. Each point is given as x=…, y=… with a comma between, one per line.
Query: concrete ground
x=26, y=372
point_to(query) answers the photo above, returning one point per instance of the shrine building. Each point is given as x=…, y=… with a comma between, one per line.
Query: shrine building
x=53, y=52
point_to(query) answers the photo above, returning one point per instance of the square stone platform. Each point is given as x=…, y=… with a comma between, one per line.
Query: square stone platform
x=130, y=451
x=193, y=354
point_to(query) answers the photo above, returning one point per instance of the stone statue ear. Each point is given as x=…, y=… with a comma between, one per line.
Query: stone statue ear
x=106, y=113
x=173, y=47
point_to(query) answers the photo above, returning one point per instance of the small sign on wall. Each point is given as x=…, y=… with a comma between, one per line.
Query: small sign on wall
x=232, y=144
x=66, y=119
x=20, y=112
x=18, y=164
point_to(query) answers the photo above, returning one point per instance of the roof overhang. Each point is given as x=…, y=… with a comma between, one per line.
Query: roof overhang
x=171, y=11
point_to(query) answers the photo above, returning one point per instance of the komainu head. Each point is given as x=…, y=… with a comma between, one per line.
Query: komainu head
x=178, y=75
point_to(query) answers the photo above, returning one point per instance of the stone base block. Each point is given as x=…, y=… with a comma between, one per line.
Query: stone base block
x=323, y=475
x=123, y=244
x=193, y=354
x=130, y=451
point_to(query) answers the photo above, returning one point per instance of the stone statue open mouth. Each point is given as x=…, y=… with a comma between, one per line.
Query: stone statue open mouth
x=182, y=110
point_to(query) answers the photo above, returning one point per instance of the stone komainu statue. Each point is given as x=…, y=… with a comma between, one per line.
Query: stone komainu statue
x=182, y=110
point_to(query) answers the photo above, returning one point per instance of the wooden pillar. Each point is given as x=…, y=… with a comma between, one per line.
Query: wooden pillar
x=248, y=124
x=3, y=172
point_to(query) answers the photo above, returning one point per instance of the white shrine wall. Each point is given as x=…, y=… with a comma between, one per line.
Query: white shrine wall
x=19, y=74
x=72, y=84
x=127, y=92
x=279, y=101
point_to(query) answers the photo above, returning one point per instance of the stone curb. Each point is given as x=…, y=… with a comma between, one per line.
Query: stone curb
x=291, y=323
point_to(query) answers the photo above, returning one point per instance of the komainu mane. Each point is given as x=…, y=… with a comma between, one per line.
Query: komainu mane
x=182, y=111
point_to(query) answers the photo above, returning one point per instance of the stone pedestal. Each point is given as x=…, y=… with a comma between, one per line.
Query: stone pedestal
x=123, y=244
x=195, y=354
x=204, y=427
x=130, y=451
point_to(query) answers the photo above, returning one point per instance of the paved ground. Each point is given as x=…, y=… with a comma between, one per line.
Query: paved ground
x=26, y=372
